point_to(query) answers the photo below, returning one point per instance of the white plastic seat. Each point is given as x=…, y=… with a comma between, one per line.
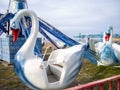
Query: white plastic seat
x=56, y=70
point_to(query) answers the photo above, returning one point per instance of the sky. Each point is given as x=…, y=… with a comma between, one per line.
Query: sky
x=76, y=16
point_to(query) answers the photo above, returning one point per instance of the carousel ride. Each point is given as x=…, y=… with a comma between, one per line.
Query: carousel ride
x=63, y=64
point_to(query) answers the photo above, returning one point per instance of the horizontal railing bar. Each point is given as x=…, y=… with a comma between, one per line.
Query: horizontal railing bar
x=95, y=83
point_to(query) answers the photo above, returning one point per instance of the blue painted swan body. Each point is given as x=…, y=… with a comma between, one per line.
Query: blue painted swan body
x=108, y=52
x=58, y=72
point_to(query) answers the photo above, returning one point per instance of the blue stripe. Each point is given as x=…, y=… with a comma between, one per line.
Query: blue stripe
x=20, y=72
x=21, y=5
x=108, y=53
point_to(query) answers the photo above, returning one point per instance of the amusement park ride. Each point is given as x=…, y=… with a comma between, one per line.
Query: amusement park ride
x=62, y=66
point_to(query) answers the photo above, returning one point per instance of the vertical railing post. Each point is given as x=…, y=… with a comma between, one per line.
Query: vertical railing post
x=101, y=86
x=118, y=84
x=110, y=85
x=91, y=88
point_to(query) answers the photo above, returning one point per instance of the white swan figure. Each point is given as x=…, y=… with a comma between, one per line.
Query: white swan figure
x=58, y=72
x=108, y=52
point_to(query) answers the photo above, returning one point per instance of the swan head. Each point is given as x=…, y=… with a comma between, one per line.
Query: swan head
x=108, y=34
x=15, y=28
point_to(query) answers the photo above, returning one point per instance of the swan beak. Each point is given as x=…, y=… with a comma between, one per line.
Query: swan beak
x=107, y=37
x=15, y=33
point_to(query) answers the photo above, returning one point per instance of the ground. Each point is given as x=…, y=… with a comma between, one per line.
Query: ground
x=88, y=73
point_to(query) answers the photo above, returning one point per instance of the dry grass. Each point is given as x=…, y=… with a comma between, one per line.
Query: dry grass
x=9, y=80
x=88, y=73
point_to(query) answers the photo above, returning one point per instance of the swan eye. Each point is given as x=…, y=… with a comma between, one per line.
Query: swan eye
x=13, y=25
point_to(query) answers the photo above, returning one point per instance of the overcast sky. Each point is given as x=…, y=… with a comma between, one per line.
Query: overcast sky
x=76, y=16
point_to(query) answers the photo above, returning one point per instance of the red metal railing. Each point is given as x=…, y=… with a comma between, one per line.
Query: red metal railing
x=100, y=83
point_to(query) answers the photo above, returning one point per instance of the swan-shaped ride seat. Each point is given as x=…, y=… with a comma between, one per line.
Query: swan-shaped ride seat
x=108, y=51
x=58, y=72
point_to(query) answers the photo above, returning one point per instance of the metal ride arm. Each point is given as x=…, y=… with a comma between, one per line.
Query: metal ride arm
x=90, y=54
x=46, y=36
x=3, y=19
x=6, y=17
x=55, y=32
x=2, y=29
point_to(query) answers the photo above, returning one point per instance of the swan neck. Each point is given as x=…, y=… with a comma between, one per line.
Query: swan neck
x=28, y=46
x=111, y=35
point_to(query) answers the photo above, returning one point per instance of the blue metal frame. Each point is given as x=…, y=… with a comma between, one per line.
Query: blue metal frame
x=90, y=54
x=2, y=29
x=55, y=32
x=47, y=37
x=21, y=5
x=6, y=18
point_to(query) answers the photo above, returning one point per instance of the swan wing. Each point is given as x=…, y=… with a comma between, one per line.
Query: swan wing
x=99, y=46
x=72, y=65
x=116, y=49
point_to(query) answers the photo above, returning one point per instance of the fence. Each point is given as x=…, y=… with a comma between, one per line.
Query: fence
x=8, y=48
x=99, y=83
